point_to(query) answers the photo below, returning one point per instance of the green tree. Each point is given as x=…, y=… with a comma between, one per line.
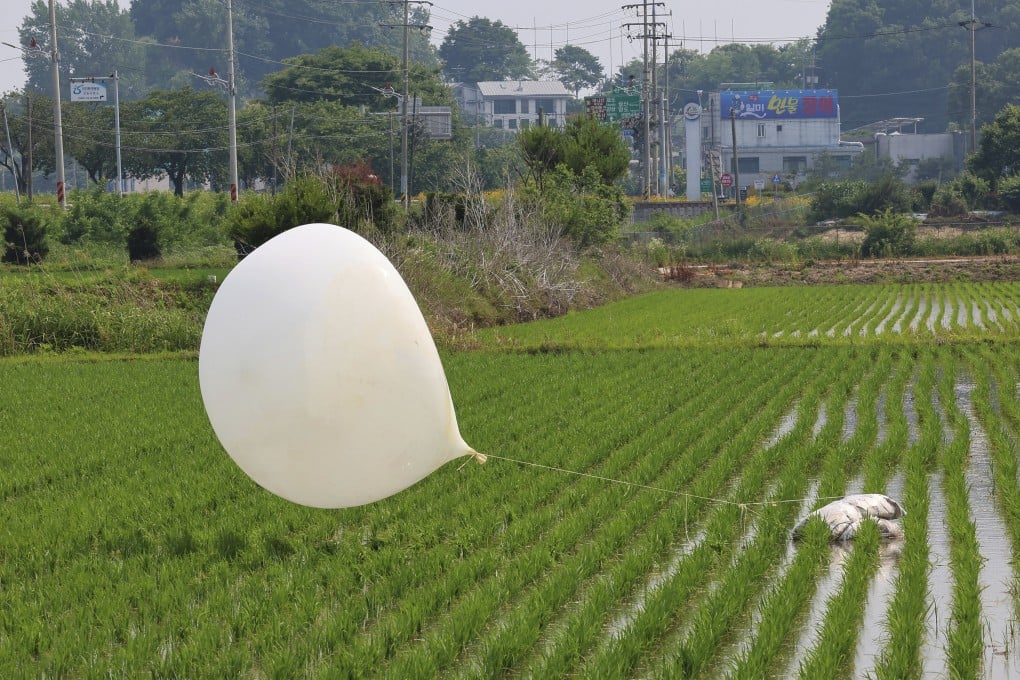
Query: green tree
x=90, y=138
x=482, y=50
x=577, y=68
x=180, y=133
x=30, y=121
x=95, y=37
x=583, y=143
x=998, y=152
x=355, y=76
x=589, y=143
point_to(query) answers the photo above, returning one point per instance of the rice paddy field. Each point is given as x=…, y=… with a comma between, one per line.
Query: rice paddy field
x=647, y=462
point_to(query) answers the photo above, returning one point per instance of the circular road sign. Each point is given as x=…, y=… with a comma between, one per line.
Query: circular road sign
x=726, y=179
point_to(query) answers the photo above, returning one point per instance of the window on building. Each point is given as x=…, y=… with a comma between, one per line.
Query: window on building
x=497, y=123
x=761, y=130
x=794, y=165
x=525, y=123
x=547, y=106
x=504, y=106
x=748, y=164
x=524, y=106
x=842, y=161
x=779, y=127
x=512, y=123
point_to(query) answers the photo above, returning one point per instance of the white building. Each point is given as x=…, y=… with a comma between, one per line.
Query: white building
x=778, y=132
x=513, y=104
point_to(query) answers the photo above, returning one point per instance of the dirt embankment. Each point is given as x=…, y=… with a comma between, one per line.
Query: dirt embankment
x=907, y=270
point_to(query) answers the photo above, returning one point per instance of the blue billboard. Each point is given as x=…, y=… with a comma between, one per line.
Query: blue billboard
x=779, y=104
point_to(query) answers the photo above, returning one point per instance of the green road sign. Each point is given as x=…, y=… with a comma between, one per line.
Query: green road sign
x=706, y=185
x=613, y=107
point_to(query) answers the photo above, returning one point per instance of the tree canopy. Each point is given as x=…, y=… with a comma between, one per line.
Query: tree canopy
x=481, y=50
x=577, y=68
x=998, y=152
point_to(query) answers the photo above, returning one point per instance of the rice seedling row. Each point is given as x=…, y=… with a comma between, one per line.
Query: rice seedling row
x=129, y=544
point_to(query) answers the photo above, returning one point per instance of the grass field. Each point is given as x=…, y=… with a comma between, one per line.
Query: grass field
x=131, y=545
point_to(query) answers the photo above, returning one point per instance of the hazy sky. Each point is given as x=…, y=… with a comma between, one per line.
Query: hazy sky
x=596, y=25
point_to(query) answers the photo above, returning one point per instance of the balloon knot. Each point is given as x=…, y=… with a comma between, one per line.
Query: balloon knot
x=480, y=457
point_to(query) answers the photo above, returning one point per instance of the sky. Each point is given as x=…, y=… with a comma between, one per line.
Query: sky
x=543, y=25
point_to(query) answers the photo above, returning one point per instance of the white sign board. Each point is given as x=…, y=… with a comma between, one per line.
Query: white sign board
x=759, y=184
x=88, y=92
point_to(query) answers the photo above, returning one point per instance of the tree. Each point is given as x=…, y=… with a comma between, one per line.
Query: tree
x=998, y=152
x=274, y=30
x=179, y=133
x=354, y=76
x=90, y=138
x=589, y=143
x=96, y=38
x=481, y=50
x=30, y=120
x=577, y=68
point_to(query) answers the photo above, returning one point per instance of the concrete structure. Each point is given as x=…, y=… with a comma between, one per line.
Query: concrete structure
x=911, y=149
x=779, y=133
x=513, y=104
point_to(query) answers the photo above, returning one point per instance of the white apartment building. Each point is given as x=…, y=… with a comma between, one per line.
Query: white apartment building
x=513, y=104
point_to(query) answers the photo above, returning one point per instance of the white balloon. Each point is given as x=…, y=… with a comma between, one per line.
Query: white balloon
x=319, y=373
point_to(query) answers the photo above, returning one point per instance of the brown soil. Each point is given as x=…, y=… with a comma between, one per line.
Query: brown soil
x=911, y=270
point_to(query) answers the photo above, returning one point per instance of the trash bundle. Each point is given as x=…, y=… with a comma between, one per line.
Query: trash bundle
x=845, y=515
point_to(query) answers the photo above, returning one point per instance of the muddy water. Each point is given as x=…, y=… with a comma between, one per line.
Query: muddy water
x=850, y=419
x=873, y=634
x=828, y=585
x=1001, y=628
x=910, y=413
x=961, y=313
x=880, y=328
x=947, y=313
x=940, y=582
x=976, y=316
x=993, y=318
x=936, y=309
x=922, y=306
x=784, y=428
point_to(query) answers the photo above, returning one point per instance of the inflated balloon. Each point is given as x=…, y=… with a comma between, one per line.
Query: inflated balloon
x=320, y=376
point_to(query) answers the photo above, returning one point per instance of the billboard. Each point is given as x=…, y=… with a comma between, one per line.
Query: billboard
x=88, y=92
x=613, y=107
x=779, y=104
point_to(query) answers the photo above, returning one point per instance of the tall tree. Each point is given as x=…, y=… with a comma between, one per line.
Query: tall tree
x=178, y=133
x=355, y=76
x=90, y=138
x=577, y=68
x=998, y=152
x=94, y=37
x=30, y=120
x=480, y=50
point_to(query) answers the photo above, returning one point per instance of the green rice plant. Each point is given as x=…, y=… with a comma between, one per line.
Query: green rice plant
x=833, y=653
x=964, y=645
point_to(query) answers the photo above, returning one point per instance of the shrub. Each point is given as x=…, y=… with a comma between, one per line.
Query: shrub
x=1009, y=193
x=581, y=206
x=258, y=217
x=143, y=244
x=948, y=201
x=887, y=234
x=24, y=236
x=362, y=200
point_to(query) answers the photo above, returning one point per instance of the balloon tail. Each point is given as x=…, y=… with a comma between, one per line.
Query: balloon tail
x=480, y=457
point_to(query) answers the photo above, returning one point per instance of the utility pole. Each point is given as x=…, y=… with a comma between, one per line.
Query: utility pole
x=405, y=195
x=58, y=128
x=973, y=25
x=647, y=88
x=231, y=102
